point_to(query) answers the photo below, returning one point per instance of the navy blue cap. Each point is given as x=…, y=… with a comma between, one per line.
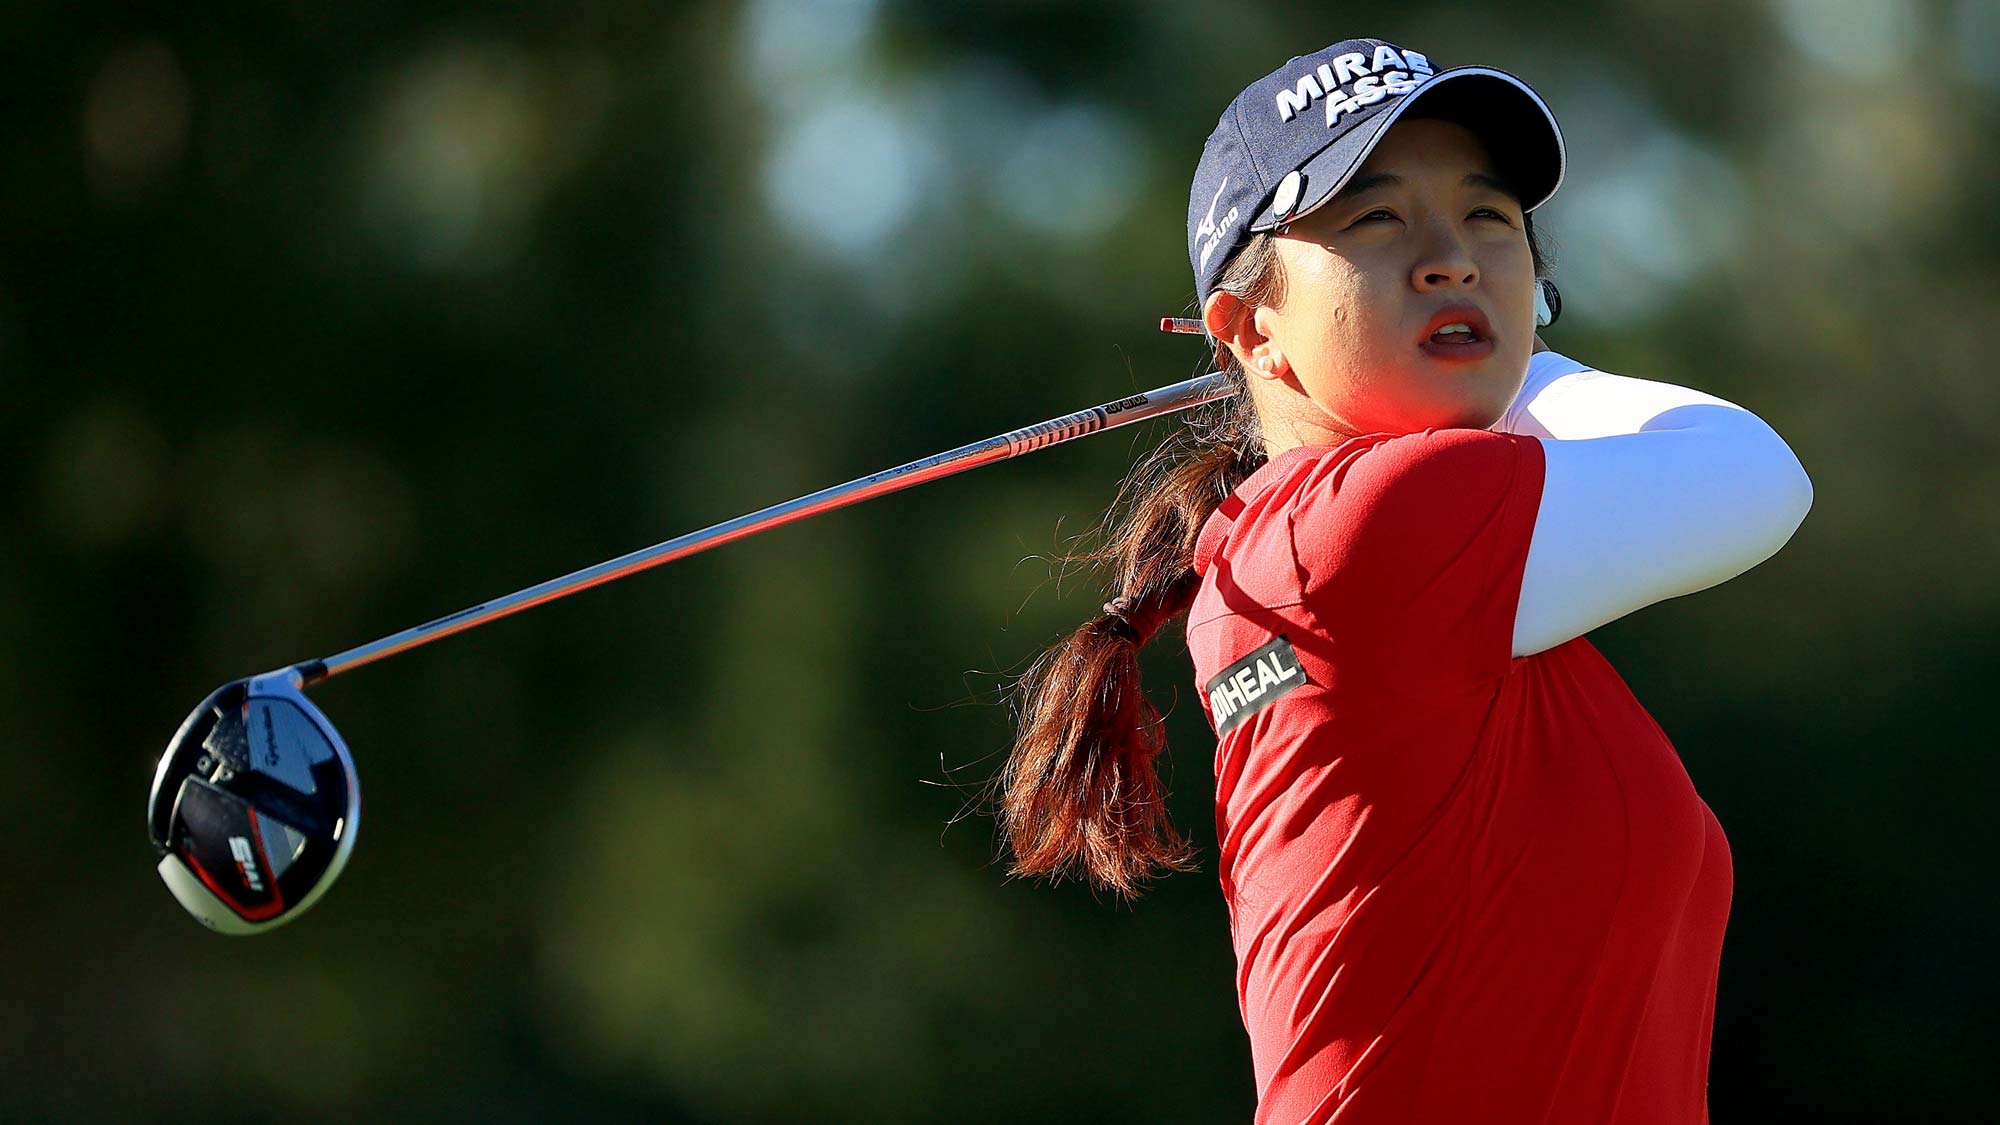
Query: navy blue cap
x=1294, y=137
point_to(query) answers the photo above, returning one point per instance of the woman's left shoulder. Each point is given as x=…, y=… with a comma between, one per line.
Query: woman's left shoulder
x=1428, y=468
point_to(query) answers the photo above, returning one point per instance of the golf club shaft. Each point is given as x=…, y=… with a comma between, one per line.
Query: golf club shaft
x=1125, y=411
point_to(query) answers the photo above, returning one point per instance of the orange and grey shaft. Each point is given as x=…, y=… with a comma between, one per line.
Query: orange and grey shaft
x=1055, y=431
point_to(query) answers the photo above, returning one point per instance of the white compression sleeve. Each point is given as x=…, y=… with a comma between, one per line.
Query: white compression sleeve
x=1652, y=491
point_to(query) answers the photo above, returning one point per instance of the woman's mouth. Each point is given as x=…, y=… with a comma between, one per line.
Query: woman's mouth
x=1458, y=334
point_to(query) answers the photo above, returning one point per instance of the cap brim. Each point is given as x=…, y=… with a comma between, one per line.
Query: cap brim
x=1519, y=131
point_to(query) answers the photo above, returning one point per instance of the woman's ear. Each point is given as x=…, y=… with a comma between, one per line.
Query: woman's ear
x=1241, y=328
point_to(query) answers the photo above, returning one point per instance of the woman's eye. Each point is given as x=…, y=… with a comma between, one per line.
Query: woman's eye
x=1379, y=212
x=1493, y=212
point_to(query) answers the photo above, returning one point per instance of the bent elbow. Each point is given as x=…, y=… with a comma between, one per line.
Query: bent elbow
x=1768, y=497
x=1794, y=493
x=1785, y=493
x=1801, y=495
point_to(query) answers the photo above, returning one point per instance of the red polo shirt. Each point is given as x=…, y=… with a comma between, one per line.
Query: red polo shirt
x=1462, y=886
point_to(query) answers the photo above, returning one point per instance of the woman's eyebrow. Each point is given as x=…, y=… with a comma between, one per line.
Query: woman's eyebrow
x=1481, y=179
x=1363, y=184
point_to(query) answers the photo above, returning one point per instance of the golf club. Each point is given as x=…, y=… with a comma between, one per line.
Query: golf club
x=255, y=803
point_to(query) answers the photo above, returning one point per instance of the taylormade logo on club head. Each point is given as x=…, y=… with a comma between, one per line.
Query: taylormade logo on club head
x=1355, y=81
x=270, y=740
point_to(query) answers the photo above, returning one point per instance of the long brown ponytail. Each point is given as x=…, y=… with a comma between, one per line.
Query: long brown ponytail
x=1080, y=795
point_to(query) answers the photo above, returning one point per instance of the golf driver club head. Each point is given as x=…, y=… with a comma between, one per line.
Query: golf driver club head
x=254, y=806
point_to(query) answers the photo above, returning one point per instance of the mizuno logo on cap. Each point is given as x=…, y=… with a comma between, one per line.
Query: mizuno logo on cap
x=1209, y=230
x=1353, y=81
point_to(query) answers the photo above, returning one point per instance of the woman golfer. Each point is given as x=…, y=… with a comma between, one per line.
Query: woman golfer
x=1468, y=878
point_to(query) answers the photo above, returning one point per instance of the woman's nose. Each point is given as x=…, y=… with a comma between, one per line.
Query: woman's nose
x=1444, y=261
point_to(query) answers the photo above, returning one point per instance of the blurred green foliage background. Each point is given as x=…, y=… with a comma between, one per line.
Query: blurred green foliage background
x=320, y=320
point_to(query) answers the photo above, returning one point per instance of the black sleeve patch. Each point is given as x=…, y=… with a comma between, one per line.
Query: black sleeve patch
x=1253, y=683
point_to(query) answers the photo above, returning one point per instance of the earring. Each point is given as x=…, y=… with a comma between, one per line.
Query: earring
x=1548, y=303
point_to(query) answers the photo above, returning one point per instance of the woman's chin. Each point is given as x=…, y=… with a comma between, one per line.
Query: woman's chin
x=1459, y=415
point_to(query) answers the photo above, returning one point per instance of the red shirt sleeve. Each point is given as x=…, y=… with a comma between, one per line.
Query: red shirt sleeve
x=1411, y=552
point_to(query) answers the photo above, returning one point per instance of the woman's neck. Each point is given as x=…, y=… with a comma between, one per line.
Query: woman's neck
x=1291, y=420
